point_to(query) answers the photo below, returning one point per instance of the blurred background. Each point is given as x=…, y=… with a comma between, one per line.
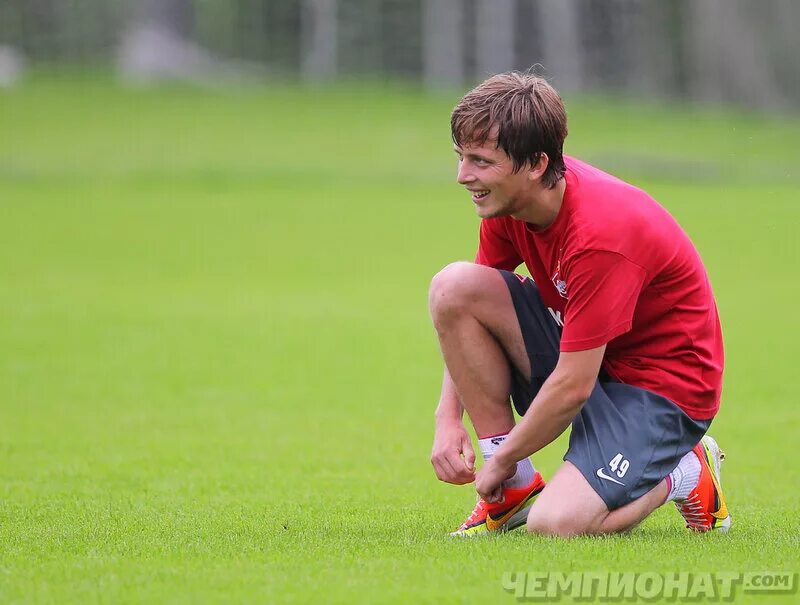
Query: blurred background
x=218, y=223
x=733, y=51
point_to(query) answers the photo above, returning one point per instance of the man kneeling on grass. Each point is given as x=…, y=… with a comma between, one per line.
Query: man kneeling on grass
x=617, y=333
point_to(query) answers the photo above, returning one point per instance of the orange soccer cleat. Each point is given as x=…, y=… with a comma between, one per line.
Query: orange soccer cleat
x=705, y=508
x=507, y=514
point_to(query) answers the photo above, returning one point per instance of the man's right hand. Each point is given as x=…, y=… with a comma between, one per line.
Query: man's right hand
x=453, y=458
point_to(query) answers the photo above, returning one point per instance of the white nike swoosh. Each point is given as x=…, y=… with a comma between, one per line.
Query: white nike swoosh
x=602, y=474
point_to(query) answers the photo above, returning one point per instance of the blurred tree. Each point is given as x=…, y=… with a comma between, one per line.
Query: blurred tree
x=157, y=45
x=176, y=16
x=707, y=50
x=728, y=58
x=561, y=41
x=494, y=36
x=443, y=43
x=320, y=45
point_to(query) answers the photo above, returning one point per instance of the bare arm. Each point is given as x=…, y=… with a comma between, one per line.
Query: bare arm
x=558, y=402
x=453, y=458
x=449, y=408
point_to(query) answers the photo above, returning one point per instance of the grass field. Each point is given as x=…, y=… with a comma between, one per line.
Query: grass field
x=217, y=371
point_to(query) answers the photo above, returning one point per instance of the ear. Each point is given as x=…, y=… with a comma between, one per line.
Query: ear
x=538, y=169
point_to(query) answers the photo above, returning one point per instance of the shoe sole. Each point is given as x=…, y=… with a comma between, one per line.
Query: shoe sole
x=518, y=519
x=715, y=456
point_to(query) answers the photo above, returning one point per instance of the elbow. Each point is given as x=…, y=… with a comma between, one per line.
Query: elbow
x=574, y=395
x=573, y=403
x=581, y=393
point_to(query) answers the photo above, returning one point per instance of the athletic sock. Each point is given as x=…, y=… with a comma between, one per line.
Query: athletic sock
x=525, y=471
x=684, y=478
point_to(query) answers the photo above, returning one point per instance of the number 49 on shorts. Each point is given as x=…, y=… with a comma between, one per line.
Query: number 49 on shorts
x=619, y=465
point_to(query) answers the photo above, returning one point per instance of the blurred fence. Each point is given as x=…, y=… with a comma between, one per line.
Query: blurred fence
x=738, y=51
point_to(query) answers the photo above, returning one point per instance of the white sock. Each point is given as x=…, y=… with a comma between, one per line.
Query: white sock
x=684, y=477
x=525, y=471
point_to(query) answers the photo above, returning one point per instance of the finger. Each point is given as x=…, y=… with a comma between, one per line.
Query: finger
x=464, y=468
x=453, y=470
x=488, y=489
x=459, y=473
x=469, y=455
x=437, y=469
x=479, y=483
x=449, y=470
x=465, y=476
x=494, y=495
x=444, y=469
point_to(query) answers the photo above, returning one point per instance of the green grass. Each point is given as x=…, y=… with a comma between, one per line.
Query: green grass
x=217, y=372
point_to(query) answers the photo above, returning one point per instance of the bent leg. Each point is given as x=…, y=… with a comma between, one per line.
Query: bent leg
x=480, y=337
x=569, y=506
x=629, y=516
x=624, y=442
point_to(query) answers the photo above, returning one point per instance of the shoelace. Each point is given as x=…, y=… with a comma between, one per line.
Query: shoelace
x=480, y=507
x=480, y=510
x=692, y=511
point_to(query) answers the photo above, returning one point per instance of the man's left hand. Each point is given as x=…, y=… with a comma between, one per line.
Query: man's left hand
x=489, y=479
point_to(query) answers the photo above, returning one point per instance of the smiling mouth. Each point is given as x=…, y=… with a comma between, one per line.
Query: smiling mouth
x=479, y=195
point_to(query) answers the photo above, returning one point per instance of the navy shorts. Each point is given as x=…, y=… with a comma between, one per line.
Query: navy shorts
x=625, y=439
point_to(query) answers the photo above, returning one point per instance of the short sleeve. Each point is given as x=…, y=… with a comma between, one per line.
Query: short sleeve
x=603, y=289
x=495, y=249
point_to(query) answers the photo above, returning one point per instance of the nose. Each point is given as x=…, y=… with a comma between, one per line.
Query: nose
x=464, y=176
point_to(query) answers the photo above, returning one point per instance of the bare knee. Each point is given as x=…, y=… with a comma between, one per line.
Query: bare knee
x=568, y=506
x=453, y=290
x=555, y=523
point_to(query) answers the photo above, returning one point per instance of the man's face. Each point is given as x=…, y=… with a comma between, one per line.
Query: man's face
x=487, y=172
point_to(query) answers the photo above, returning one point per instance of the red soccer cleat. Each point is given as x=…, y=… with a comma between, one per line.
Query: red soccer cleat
x=705, y=508
x=507, y=514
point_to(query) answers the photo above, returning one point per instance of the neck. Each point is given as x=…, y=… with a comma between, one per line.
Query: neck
x=542, y=205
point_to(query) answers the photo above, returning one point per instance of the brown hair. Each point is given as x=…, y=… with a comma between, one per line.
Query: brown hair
x=526, y=115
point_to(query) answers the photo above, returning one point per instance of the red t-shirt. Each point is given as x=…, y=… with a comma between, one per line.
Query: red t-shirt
x=615, y=268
